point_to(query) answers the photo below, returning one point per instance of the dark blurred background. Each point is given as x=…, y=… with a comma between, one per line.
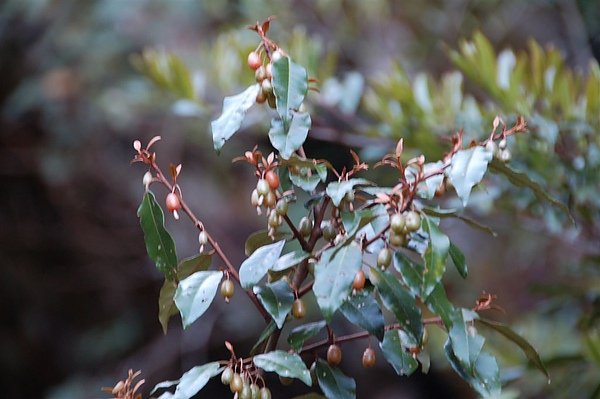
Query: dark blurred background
x=78, y=294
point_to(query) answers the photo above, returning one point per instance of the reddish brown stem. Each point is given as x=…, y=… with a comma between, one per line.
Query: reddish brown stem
x=360, y=335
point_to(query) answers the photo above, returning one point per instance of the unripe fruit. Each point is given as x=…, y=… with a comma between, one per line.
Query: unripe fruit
x=368, y=358
x=384, y=258
x=260, y=74
x=413, y=221
x=271, y=100
x=255, y=391
x=265, y=393
x=261, y=97
x=334, y=355
x=226, y=376
x=329, y=231
x=298, y=309
x=276, y=56
x=254, y=198
x=236, y=383
x=490, y=146
x=349, y=196
x=254, y=60
x=246, y=391
x=273, y=179
x=227, y=289
x=267, y=86
x=270, y=199
x=305, y=226
x=505, y=155
x=359, y=280
x=172, y=202
x=262, y=187
x=202, y=238
x=397, y=223
x=502, y=144
x=147, y=179
x=281, y=207
x=274, y=220
x=397, y=240
x=269, y=70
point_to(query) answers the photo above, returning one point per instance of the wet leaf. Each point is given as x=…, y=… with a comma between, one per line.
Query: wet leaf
x=288, y=365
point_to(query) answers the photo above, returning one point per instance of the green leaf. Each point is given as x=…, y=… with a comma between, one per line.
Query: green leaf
x=363, y=310
x=288, y=139
x=520, y=179
x=396, y=355
x=305, y=182
x=277, y=298
x=459, y=260
x=290, y=84
x=195, y=294
x=439, y=304
x=412, y=272
x=269, y=329
x=467, y=169
x=333, y=382
x=159, y=244
x=465, y=345
x=525, y=346
x=428, y=188
x=256, y=265
x=289, y=260
x=288, y=365
x=261, y=238
x=484, y=378
x=234, y=112
x=192, y=381
x=299, y=335
x=337, y=190
x=166, y=302
x=334, y=276
x=434, y=256
x=399, y=302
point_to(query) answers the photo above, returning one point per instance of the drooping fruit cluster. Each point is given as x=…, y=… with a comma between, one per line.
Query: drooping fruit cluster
x=266, y=195
x=244, y=385
x=499, y=150
x=401, y=225
x=264, y=77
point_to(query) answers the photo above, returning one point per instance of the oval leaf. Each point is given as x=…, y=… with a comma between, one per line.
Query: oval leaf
x=337, y=190
x=334, y=276
x=333, y=382
x=195, y=294
x=300, y=334
x=159, y=244
x=467, y=169
x=259, y=239
x=269, y=329
x=288, y=365
x=166, y=304
x=290, y=84
x=277, y=298
x=435, y=256
x=459, y=260
x=363, y=310
x=234, y=112
x=256, y=266
x=289, y=260
x=192, y=381
x=402, y=362
x=400, y=302
x=287, y=138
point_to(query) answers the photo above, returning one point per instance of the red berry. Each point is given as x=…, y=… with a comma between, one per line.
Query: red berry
x=272, y=179
x=334, y=355
x=172, y=202
x=359, y=280
x=254, y=61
